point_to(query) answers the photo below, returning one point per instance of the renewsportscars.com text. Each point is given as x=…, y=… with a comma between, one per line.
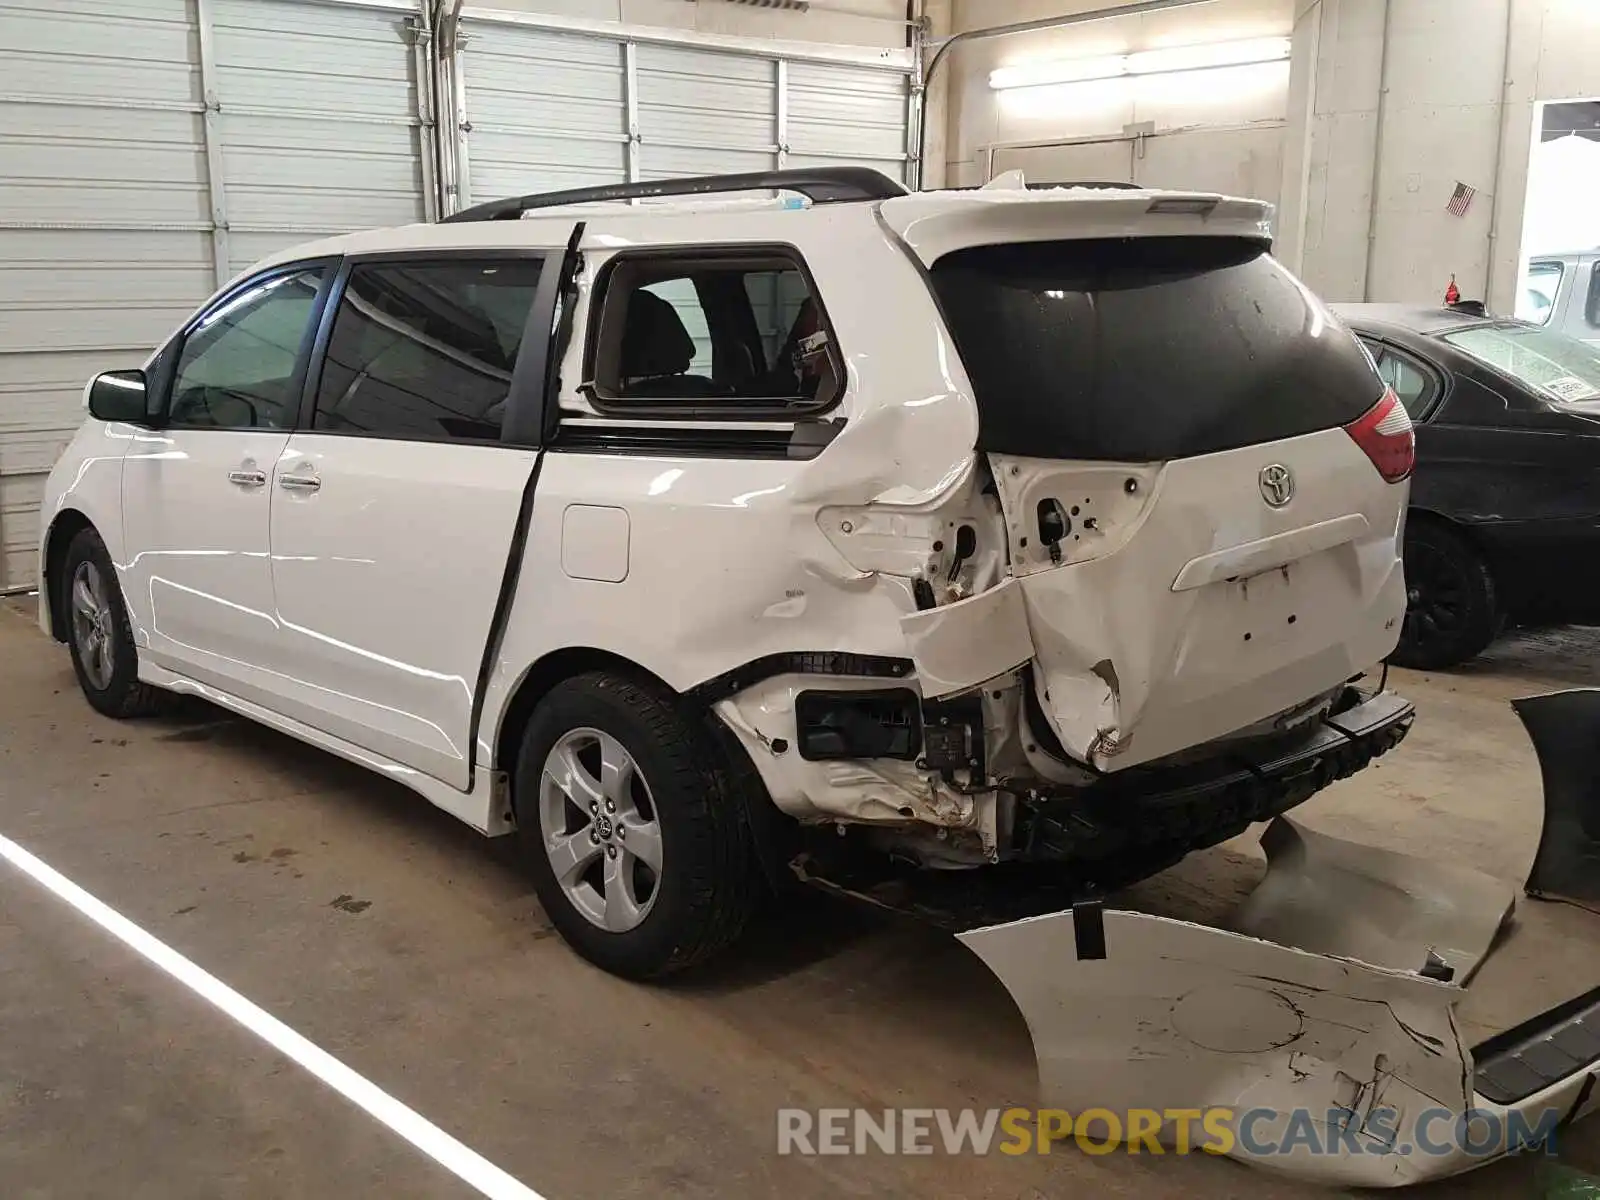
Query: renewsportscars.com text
x=1258, y=1132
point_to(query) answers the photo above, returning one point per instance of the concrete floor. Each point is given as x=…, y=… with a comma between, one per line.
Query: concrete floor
x=402, y=943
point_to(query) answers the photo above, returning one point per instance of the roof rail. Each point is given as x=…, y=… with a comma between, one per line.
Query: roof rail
x=821, y=185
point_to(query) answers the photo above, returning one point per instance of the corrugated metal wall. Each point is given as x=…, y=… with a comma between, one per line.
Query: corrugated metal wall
x=549, y=108
x=110, y=228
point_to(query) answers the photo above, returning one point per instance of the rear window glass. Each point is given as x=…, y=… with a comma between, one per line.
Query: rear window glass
x=1146, y=349
x=1559, y=367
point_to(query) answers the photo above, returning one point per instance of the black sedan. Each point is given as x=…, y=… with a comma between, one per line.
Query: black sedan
x=1504, y=524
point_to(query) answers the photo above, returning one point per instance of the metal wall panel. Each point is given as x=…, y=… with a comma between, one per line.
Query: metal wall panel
x=548, y=110
x=847, y=114
x=705, y=112
x=318, y=121
x=103, y=219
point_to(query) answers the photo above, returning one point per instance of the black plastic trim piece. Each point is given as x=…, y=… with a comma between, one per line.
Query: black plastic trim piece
x=502, y=615
x=569, y=298
x=687, y=442
x=808, y=717
x=820, y=185
x=1542, y=1051
x=798, y=662
x=1089, y=929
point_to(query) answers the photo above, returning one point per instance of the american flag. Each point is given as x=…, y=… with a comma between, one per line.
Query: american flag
x=1461, y=200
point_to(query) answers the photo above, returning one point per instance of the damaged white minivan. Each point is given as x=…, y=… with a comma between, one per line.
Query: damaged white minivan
x=986, y=528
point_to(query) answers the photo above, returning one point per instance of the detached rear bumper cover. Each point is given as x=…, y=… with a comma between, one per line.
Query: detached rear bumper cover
x=1330, y=994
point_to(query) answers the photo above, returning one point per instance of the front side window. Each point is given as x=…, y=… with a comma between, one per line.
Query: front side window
x=1560, y=367
x=240, y=364
x=741, y=334
x=425, y=350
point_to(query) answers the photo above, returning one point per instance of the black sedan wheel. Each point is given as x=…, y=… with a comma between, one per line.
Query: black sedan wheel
x=1451, y=612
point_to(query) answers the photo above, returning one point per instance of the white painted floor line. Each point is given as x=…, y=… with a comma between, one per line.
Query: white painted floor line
x=466, y=1164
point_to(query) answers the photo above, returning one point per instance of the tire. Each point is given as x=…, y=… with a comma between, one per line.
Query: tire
x=1452, y=610
x=592, y=870
x=99, y=634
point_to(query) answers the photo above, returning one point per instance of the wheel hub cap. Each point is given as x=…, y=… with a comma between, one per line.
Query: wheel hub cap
x=92, y=624
x=600, y=830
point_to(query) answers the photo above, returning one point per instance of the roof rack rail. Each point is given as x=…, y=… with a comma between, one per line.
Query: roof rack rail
x=821, y=185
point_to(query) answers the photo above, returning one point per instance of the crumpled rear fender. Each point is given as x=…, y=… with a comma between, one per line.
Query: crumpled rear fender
x=1328, y=998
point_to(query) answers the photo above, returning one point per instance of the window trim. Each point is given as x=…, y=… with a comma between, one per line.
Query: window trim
x=702, y=408
x=519, y=428
x=1591, y=297
x=171, y=355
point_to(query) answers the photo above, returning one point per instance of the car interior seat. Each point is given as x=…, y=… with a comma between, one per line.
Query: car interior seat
x=657, y=351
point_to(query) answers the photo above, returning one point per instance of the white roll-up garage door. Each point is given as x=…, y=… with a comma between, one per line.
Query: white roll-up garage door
x=116, y=119
x=549, y=107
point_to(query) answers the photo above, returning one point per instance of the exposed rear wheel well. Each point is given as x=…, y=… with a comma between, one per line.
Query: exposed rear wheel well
x=67, y=525
x=771, y=830
x=550, y=670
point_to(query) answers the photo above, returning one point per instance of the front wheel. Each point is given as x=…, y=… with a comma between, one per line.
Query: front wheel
x=1451, y=607
x=99, y=633
x=632, y=830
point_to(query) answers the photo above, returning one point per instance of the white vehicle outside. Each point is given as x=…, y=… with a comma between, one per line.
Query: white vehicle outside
x=1002, y=531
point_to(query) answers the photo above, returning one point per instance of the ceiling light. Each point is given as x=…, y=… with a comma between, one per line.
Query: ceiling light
x=1165, y=61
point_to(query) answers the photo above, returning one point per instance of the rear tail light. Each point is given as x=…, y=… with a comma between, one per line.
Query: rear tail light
x=1385, y=434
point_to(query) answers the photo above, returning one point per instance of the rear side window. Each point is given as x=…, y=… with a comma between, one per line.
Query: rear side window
x=731, y=333
x=425, y=350
x=1146, y=349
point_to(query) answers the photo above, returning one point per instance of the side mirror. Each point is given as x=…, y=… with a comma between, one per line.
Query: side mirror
x=118, y=396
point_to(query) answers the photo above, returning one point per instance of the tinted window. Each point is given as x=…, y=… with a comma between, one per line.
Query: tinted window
x=425, y=349
x=1146, y=349
x=238, y=368
x=738, y=334
x=1560, y=367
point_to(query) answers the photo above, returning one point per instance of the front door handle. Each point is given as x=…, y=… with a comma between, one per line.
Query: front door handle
x=252, y=479
x=299, y=483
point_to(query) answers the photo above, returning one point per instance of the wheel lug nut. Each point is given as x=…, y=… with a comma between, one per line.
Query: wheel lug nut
x=611, y=851
x=611, y=806
x=594, y=836
x=593, y=808
x=621, y=833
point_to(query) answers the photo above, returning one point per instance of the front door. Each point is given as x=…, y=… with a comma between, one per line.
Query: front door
x=196, y=490
x=394, y=515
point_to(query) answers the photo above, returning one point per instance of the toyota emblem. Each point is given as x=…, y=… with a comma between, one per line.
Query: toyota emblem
x=1277, y=485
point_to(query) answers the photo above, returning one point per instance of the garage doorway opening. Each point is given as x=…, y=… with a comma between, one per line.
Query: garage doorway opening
x=1558, y=281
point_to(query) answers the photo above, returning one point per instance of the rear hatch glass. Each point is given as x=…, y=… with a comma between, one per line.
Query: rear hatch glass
x=1146, y=349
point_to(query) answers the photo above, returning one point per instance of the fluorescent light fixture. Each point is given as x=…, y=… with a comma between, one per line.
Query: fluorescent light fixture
x=1165, y=61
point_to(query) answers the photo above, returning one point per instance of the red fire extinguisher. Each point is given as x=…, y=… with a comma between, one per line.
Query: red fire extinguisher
x=1452, y=294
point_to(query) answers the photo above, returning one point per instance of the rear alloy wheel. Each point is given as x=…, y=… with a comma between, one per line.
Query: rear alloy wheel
x=600, y=830
x=633, y=827
x=1451, y=611
x=99, y=633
